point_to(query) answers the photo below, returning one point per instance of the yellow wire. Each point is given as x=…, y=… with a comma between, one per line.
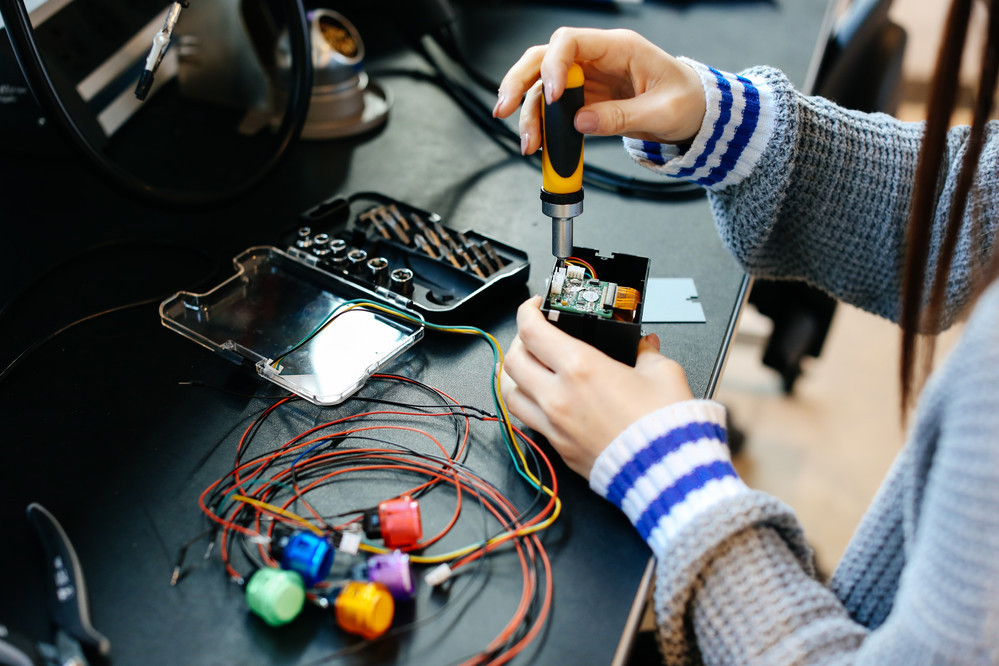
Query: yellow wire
x=434, y=559
x=455, y=554
x=496, y=379
x=278, y=510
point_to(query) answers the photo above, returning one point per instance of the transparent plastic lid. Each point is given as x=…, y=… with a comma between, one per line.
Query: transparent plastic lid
x=262, y=314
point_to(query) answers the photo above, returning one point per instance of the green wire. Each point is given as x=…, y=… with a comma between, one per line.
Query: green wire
x=437, y=327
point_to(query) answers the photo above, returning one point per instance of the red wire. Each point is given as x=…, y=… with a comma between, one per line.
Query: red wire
x=528, y=547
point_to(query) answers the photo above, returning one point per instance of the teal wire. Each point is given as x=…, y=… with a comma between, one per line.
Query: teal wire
x=447, y=329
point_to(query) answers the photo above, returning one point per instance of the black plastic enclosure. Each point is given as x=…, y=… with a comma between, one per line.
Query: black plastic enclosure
x=618, y=339
x=442, y=292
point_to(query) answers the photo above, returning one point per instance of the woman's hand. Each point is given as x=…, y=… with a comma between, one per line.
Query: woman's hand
x=633, y=88
x=577, y=397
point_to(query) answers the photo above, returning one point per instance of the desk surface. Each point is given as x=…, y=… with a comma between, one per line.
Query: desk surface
x=98, y=429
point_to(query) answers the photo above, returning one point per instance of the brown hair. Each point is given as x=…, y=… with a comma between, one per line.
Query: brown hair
x=922, y=304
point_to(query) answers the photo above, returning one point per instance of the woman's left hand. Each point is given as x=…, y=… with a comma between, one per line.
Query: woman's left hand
x=579, y=398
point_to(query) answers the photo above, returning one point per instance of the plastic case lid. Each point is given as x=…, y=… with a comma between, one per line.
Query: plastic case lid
x=274, y=302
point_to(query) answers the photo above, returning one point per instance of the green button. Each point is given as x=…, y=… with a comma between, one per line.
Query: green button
x=276, y=595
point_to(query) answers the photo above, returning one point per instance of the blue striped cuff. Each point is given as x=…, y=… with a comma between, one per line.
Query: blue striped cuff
x=737, y=126
x=667, y=468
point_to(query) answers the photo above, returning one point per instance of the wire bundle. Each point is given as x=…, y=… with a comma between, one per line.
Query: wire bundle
x=301, y=483
x=446, y=41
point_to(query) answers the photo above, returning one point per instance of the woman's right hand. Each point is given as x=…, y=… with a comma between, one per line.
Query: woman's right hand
x=633, y=88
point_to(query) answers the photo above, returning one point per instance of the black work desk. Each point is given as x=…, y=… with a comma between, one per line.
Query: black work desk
x=98, y=428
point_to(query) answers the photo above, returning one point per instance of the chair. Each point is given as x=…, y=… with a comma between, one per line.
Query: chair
x=859, y=67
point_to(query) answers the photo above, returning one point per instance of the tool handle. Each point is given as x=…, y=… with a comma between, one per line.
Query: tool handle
x=562, y=154
x=67, y=592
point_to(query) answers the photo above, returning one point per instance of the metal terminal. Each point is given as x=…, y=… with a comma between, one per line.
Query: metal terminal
x=378, y=271
x=303, y=237
x=402, y=281
x=367, y=216
x=444, y=235
x=321, y=245
x=472, y=264
x=356, y=261
x=467, y=258
x=161, y=40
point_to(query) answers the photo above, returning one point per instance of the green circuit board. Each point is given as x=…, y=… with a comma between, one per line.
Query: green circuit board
x=583, y=296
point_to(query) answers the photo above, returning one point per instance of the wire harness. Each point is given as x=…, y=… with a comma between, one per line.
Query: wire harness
x=328, y=480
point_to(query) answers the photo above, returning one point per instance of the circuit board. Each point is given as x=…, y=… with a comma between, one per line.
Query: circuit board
x=573, y=292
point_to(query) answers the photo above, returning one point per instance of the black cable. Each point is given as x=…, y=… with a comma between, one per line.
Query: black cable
x=29, y=57
x=38, y=344
x=6, y=307
x=315, y=469
x=298, y=468
x=498, y=130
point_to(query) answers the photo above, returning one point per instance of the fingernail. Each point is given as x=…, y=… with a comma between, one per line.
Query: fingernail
x=548, y=92
x=586, y=121
x=525, y=139
x=499, y=102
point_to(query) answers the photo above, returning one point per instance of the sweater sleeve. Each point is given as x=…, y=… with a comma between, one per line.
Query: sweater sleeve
x=946, y=609
x=735, y=579
x=804, y=189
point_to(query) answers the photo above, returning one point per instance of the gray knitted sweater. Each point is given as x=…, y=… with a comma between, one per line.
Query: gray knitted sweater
x=803, y=189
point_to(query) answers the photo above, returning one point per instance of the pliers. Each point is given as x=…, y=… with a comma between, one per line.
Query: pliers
x=66, y=598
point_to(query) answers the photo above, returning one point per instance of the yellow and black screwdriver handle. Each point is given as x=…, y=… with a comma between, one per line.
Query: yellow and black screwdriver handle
x=562, y=163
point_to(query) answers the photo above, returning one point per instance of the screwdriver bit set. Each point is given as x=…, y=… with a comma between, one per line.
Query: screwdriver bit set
x=404, y=255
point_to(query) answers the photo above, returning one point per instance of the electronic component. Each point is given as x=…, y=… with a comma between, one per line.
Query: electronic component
x=310, y=555
x=394, y=572
x=366, y=609
x=396, y=521
x=583, y=296
x=598, y=299
x=275, y=595
x=161, y=41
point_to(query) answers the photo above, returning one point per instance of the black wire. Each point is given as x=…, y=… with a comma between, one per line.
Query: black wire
x=321, y=468
x=38, y=344
x=452, y=598
x=307, y=473
x=29, y=57
x=316, y=468
x=498, y=130
x=93, y=250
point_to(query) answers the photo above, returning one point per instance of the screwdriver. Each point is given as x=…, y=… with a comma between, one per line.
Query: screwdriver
x=562, y=164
